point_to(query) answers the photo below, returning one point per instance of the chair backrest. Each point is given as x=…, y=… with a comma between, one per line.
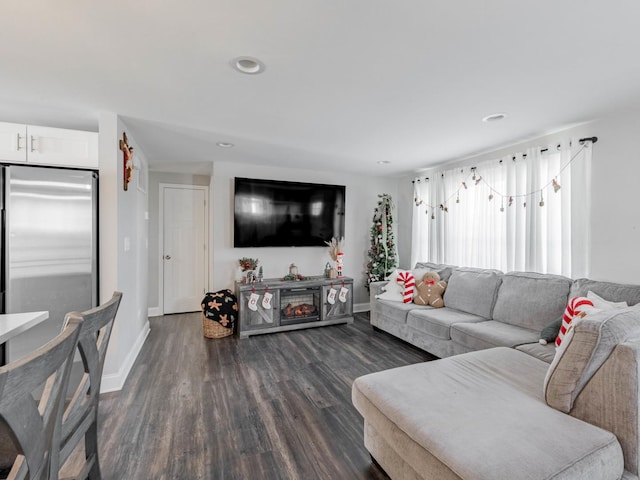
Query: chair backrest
x=35, y=424
x=97, y=324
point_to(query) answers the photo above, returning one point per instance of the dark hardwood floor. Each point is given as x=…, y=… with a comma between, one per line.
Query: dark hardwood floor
x=268, y=407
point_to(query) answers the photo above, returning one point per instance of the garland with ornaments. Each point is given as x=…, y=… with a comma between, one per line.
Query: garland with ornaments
x=382, y=252
x=510, y=199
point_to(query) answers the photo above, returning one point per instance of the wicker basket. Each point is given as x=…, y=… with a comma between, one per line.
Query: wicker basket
x=212, y=329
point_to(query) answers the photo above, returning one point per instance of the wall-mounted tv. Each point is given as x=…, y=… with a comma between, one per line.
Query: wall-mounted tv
x=272, y=213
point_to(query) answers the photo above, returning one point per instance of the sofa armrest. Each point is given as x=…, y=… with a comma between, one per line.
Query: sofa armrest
x=375, y=288
x=611, y=400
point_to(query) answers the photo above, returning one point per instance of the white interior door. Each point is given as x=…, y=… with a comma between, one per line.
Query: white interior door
x=184, y=255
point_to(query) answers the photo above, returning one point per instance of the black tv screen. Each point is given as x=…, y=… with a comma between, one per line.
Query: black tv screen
x=270, y=213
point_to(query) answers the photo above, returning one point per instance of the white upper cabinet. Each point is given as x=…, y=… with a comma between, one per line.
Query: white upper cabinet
x=58, y=146
x=48, y=146
x=13, y=139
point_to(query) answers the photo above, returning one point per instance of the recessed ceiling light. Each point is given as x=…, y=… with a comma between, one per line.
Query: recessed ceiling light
x=494, y=117
x=384, y=162
x=248, y=65
x=224, y=145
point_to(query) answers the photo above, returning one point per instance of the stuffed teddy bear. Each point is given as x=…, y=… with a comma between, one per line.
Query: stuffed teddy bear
x=430, y=290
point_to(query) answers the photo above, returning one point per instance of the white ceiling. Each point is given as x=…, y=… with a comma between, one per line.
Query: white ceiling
x=347, y=83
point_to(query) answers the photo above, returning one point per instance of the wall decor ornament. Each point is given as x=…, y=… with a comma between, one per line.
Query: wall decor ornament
x=127, y=161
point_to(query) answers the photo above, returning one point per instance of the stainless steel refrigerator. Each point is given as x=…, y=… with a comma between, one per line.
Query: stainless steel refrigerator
x=49, y=247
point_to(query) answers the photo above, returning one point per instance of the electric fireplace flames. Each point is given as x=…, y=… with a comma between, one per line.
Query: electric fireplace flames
x=299, y=305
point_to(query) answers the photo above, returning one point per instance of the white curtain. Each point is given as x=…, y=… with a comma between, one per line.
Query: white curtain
x=527, y=212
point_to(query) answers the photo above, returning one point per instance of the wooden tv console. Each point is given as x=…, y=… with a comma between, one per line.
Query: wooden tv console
x=294, y=305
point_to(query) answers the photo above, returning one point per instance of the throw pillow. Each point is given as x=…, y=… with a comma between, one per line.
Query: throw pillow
x=550, y=332
x=392, y=291
x=430, y=290
x=407, y=280
x=574, y=309
x=603, y=304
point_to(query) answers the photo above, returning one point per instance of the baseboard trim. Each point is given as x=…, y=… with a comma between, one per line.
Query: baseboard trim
x=154, y=312
x=115, y=381
x=361, y=307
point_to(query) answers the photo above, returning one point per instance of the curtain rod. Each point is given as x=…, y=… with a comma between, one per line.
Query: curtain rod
x=582, y=140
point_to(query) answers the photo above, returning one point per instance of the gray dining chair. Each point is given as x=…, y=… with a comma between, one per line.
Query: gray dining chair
x=33, y=426
x=80, y=418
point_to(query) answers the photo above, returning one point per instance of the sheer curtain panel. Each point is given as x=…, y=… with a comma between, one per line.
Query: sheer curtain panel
x=527, y=212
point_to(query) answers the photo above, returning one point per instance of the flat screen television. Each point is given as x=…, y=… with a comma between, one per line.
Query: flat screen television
x=273, y=213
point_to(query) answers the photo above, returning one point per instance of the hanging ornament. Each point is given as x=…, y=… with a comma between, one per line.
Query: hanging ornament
x=446, y=209
x=426, y=211
x=474, y=175
x=433, y=216
x=441, y=206
x=418, y=202
x=502, y=205
x=478, y=180
x=556, y=185
x=458, y=197
x=524, y=204
x=510, y=201
x=490, y=196
x=541, y=199
x=464, y=184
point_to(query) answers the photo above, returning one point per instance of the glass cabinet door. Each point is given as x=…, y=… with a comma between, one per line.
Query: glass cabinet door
x=261, y=317
x=338, y=308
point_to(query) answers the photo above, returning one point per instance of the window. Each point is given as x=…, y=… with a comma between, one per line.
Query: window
x=525, y=212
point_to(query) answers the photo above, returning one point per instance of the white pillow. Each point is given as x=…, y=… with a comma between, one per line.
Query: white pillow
x=393, y=276
x=392, y=291
x=601, y=303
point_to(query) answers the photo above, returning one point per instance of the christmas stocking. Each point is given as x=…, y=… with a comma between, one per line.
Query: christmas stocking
x=331, y=298
x=253, y=301
x=266, y=300
x=343, y=294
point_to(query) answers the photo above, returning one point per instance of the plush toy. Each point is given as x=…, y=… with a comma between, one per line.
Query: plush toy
x=430, y=290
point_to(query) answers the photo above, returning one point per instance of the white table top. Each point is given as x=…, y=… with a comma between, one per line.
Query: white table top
x=11, y=324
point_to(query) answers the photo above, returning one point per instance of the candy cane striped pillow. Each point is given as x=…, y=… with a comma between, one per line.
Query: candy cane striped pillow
x=574, y=307
x=408, y=280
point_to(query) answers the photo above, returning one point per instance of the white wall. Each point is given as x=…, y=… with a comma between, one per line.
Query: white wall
x=361, y=199
x=155, y=179
x=123, y=252
x=615, y=198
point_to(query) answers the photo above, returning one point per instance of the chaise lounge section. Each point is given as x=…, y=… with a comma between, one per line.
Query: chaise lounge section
x=501, y=405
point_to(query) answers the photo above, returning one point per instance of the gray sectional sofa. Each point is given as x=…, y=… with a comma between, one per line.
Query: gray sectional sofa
x=503, y=406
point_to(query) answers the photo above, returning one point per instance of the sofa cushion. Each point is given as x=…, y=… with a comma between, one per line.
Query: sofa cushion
x=583, y=351
x=531, y=300
x=537, y=350
x=396, y=311
x=614, y=292
x=489, y=334
x=482, y=415
x=437, y=321
x=443, y=270
x=473, y=290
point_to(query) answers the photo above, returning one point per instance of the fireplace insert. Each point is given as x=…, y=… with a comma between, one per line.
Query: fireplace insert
x=299, y=305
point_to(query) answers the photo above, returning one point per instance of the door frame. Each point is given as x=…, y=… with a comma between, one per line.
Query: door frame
x=161, y=189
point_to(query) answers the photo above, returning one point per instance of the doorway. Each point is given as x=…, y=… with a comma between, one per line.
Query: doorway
x=183, y=247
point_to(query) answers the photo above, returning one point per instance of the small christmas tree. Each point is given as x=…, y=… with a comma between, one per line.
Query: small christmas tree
x=382, y=253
